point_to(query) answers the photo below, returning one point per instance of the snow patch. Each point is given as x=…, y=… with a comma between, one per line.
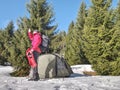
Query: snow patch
x=76, y=82
x=81, y=68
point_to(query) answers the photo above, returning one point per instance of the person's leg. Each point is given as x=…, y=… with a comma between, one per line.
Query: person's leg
x=30, y=73
x=35, y=69
x=33, y=75
x=36, y=55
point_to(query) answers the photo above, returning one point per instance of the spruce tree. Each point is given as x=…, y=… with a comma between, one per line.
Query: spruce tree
x=115, y=44
x=6, y=40
x=97, y=36
x=69, y=48
x=2, y=59
x=59, y=43
x=78, y=32
x=74, y=53
x=40, y=18
x=62, y=43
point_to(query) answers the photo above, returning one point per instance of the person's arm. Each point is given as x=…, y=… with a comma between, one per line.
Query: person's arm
x=30, y=35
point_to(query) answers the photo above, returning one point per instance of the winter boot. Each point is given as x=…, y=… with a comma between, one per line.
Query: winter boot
x=35, y=75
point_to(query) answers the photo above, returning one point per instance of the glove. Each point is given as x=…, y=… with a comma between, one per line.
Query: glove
x=29, y=30
x=31, y=51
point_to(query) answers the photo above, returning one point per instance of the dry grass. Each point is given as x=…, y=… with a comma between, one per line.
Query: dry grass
x=90, y=73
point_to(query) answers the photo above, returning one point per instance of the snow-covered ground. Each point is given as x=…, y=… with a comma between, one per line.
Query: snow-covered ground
x=77, y=81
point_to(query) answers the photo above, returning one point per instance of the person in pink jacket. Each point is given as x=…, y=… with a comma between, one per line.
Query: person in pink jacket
x=36, y=40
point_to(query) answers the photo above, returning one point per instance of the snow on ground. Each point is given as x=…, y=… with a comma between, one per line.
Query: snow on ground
x=77, y=81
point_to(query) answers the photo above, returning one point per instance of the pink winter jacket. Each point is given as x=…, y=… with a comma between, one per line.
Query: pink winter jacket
x=35, y=41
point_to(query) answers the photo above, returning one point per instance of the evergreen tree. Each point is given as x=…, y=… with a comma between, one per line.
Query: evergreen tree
x=69, y=47
x=62, y=43
x=59, y=43
x=98, y=35
x=41, y=18
x=2, y=59
x=79, y=26
x=6, y=39
x=114, y=44
x=17, y=53
x=74, y=53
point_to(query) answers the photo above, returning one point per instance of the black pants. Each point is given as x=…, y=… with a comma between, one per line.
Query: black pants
x=34, y=71
x=36, y=55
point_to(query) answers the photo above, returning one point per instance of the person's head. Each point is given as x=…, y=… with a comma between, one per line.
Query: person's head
x=35, y=31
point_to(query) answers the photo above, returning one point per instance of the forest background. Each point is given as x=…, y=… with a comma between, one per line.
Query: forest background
x=93, y=38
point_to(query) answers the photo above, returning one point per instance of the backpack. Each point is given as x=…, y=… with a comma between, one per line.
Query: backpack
x=45, y=44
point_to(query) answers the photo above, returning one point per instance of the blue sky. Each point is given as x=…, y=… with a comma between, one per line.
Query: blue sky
x=65, y=11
